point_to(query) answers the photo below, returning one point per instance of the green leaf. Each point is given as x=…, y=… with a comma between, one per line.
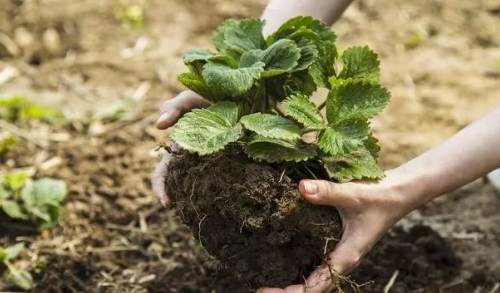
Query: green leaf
x=275, y=150
x=371, y=144
x=196, y=54
x=324, y=67
x=281, y=87
x=15, y=180
x=4, y=193
x=343, y=137
x=361, y=63
x=308, y=54
x=45, y=191
x=22, y=279
x=239, y=36
x=7, y=143
x=13, y=209
x=271, y=126
x=206, y=131
x=12, y=252
x=231, y=81
x=196, y=83
x=293, y=25
x=355, y=165
x=279, y=58
x=353, y=98
x=304, y=111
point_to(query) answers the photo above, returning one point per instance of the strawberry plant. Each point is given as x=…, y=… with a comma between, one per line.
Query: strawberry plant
x=235, y=182
x=260, y=92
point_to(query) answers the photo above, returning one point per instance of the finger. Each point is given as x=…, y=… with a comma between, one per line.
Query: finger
x=322, y=192
x=289, y=289
x=173, y=109
x=356, y=241
x=320, y=281
x=270, y=290
x=158, y=180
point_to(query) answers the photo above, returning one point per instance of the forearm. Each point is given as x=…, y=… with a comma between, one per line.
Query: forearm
x=466, y=156
x=279, y=11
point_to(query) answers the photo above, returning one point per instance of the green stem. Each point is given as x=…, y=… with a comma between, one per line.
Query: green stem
x=307, y=130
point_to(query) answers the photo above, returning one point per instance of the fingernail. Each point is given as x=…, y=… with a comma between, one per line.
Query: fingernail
x=310, y=187
x=163, y=117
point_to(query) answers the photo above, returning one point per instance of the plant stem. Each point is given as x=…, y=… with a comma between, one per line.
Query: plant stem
x=307, y=130
x=322, y=105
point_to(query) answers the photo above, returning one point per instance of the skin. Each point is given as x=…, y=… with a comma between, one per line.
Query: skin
x=367, y=209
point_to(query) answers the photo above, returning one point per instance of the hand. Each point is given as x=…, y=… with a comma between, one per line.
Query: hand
x=170, y=112
x=367, y=210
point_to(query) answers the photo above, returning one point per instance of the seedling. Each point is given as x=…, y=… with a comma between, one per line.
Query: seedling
x=20, y=108
x=38, y=201
x=18, y=277
x=260, y=91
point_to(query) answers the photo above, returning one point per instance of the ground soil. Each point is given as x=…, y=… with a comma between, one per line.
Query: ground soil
x=439, y=58
x=251, y=217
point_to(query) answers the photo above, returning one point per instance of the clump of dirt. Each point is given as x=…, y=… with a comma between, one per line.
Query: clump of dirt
x=251, y=217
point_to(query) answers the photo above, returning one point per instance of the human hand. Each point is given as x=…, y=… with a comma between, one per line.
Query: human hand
x=170, y=112
x=367, y=211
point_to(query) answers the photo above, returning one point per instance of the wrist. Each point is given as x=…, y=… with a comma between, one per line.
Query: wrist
x=409, y=187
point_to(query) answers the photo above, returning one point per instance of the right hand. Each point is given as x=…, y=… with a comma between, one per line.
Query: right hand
x=170, y=112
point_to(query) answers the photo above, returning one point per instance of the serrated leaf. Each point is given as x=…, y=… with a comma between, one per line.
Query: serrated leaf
x=12, y=252
x=196, y=83
x=231, y=81
x=196, y=54
x=353, y=98
x=271, y=126
x=239, y=36
x=21, y=279
x=361, y=63
x=275, y=150
x=308, y=54
x=324, y=66
x=343, y=137
x=371, y=144
x=304, y=111
x=13, y=209
x=293, y=25
x=206, y=131
x=279, y=58
x=15, y=180
x=281, y=87
x=355, y=165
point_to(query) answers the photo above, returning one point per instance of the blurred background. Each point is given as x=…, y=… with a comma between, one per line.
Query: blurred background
x=80, y=85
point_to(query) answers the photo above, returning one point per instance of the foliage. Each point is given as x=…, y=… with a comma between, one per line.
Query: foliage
x=18, y=277
x=38, y=201
x=250, y=80
x=7, y=142
x=20, y=108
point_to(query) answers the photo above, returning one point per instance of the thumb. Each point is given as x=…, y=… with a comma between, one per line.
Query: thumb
x=322, y=192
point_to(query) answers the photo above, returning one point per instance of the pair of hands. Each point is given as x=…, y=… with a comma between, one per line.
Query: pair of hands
x=367, y=210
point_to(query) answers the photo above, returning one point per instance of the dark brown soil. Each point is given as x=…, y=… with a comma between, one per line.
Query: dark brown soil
x=251, y=217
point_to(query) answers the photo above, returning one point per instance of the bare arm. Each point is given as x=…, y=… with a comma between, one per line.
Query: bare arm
x=279, y=11
x=466, y=156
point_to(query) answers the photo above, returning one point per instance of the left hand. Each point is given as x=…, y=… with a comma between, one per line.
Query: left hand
x=367, y=211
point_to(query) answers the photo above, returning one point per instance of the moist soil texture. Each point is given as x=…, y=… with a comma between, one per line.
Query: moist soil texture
x=251, y=217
